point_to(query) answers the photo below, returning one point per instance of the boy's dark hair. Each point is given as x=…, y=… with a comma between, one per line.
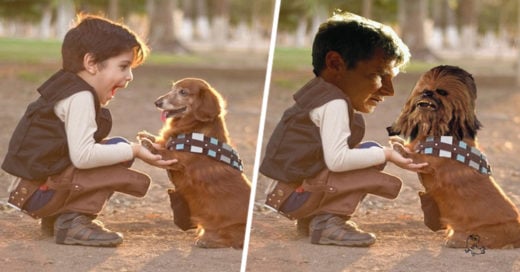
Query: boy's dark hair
x=355, y=38
x=103, y=39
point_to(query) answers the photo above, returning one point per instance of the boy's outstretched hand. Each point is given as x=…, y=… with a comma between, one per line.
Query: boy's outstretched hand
x=153, y=159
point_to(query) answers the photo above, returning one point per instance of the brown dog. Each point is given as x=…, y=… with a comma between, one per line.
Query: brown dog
x=206, y=178
x=461, y=195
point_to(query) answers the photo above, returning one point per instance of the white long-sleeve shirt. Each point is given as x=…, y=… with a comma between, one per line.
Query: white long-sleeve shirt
x=332, y=119
x=78, y=114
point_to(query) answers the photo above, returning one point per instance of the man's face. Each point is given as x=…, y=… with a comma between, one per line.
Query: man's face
x=112, y=74
x=368, y=83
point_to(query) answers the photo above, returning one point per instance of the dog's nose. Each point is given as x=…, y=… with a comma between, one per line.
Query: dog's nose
x=159, y=103
x=427, y=93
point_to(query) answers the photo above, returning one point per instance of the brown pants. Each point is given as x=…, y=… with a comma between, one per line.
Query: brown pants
x=88, y=190
x=340, y=193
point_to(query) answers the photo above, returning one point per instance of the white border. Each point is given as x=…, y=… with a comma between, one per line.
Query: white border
x=260, y=135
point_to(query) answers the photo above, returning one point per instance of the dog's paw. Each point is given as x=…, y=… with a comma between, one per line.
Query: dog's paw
x=454, y=243
x=141, y=135
x=206, y=243
x=146, y=143
x=396, y=139
x=400, y=149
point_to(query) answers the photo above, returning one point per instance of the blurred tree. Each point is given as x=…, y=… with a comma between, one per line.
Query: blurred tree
x=413, y=13
x=195, y=20
x=366, y=11
x=64, y=17
x=444, y=25
x=162, y=35
x=468, y=20
x=304, y=17
x=220, y=22
x=188, y=20
x=113, y=9
x=23, y=10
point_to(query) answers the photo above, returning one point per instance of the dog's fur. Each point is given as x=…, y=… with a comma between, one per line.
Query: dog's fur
x=442, y=103
x=217, y=194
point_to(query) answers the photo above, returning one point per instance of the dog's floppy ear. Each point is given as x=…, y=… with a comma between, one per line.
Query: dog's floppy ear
x=209, y=105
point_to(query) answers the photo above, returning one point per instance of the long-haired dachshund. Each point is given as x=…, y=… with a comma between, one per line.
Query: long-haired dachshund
x=211, y=192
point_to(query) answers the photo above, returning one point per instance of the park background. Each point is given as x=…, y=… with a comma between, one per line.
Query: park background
x=478, y=35
x=30, y=40
x=227, y=43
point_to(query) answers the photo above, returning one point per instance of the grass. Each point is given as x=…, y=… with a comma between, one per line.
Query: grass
x=33, y=51
x=29, y=51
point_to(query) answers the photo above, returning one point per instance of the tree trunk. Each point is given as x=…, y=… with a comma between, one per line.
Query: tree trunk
x=64, y=16
x=113, y=9
x=468, y=16
x=300, y=36
x=202, y=30
x=45, y=22
x=188, y=20
x=367, y=8
x=162, y=34
x=413, y=16
x=220, y=23
x=436, y=40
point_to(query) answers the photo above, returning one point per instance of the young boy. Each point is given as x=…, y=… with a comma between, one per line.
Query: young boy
x=317, y=147
x=65, y=167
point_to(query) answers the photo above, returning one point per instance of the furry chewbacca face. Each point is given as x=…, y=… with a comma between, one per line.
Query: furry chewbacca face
x=442, y=103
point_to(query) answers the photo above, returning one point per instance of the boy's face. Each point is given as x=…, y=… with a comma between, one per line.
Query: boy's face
x=368, y=83
x=112, y=74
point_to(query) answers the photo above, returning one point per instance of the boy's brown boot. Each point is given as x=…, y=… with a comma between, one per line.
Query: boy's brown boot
x=80, y=229
x=329, y=229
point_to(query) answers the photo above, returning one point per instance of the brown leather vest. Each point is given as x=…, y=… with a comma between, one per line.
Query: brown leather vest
x=38, y=147
x=294, y=151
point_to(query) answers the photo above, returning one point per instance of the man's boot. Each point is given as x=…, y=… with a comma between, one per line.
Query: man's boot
x=81, y=229
x=329, y=229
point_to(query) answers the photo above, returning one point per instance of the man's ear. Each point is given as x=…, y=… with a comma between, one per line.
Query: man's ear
x=334, y=61
x=90, y=64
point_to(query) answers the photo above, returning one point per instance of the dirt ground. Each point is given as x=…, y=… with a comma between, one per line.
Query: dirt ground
x=403, y=242
x=154, y=243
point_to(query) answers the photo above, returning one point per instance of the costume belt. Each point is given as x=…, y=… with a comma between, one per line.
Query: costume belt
x=200, y=144
x=447, y=147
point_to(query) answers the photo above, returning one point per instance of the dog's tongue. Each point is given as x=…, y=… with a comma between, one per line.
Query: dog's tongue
x=164, y=116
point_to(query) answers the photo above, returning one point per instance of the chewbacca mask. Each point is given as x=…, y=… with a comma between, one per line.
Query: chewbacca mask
x=440, y=124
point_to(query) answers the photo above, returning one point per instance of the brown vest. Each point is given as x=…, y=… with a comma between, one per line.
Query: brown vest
x=294, y=151
x=38, y=147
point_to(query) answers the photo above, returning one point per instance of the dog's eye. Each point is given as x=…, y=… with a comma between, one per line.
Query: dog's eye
x=183, y=92
x=442, y=92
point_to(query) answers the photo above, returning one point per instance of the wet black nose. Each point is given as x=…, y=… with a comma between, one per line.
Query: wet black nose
x=158, y=103
x=427, y=93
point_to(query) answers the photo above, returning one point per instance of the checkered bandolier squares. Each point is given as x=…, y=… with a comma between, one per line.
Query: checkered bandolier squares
x=200, y=144
x=447, y=147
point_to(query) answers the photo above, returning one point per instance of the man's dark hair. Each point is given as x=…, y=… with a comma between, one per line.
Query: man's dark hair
x=356, y=38
x=103, y=39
